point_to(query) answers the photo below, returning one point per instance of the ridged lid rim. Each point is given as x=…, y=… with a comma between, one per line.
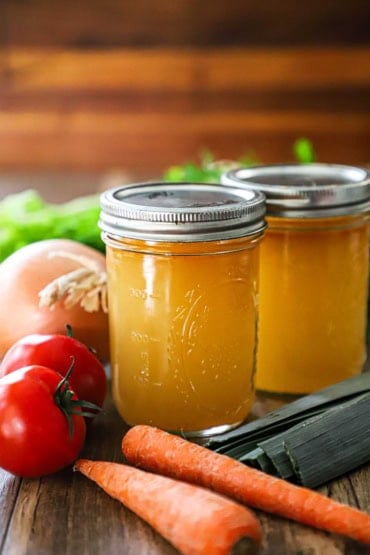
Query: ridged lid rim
x=346, y=190
x=165, y=211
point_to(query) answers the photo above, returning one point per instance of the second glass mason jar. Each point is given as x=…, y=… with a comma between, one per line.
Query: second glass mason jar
x=313, y=275
x=182, y=263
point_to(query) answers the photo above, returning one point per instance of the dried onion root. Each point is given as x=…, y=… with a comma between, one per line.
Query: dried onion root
x=86, y=286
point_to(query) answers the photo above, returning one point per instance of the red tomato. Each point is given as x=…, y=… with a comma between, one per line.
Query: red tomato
x=35, y=437
x=88, y=378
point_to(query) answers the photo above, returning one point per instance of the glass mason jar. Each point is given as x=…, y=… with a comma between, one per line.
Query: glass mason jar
x=313, y=274
x=182, y=264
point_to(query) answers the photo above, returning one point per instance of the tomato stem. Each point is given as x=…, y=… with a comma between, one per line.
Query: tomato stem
x=63, y=397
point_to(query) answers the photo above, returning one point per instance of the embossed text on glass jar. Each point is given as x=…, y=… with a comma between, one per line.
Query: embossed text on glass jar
x=183, y=322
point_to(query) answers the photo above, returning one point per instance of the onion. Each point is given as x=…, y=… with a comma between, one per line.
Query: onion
x=46, y=285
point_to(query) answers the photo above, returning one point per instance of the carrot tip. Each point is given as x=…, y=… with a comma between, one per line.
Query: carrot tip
x=245, y=546
x=77, y=465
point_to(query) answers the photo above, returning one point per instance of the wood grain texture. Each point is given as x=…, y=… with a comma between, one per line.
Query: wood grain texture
x=149, y=109
x=9, y=487
x=141, y=85
x=66, y=514
x=174, y=70
x=185, y=22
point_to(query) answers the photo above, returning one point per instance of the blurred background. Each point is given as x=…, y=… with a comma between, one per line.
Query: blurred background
x=95, y=89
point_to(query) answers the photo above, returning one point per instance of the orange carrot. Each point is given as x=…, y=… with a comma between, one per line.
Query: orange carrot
x=167, y=454
x=195, y=520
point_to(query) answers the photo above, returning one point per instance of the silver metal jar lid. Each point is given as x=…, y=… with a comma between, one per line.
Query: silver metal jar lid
x=306, y=190
x=183, y=212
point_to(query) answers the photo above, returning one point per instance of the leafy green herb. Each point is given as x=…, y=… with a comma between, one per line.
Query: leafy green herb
x=304, y=151
x=25, y=218
x=209, y=170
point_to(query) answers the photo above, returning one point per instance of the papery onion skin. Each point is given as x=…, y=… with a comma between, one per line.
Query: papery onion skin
x=24, y=274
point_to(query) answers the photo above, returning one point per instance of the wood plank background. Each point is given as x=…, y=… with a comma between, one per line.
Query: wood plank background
x=140, y=85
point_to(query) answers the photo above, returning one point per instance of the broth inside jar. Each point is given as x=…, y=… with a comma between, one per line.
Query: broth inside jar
x=313, y=305
x=183, y=332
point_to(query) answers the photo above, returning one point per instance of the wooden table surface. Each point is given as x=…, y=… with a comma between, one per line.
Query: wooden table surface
x=66, y=514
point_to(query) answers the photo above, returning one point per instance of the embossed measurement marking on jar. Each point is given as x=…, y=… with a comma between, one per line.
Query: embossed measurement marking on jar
x=139, y=337
x=142, y=294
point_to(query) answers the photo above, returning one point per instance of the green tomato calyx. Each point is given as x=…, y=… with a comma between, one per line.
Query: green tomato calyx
x=63, y=397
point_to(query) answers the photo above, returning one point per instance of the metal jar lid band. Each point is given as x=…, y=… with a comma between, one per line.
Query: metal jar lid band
x=306, y=190
x=181, y=212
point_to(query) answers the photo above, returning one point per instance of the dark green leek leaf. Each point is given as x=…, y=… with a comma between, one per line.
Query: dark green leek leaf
x=259, y=459
x=292, y=413
x=332, y=444
x=274, y=450
x=312, y=440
